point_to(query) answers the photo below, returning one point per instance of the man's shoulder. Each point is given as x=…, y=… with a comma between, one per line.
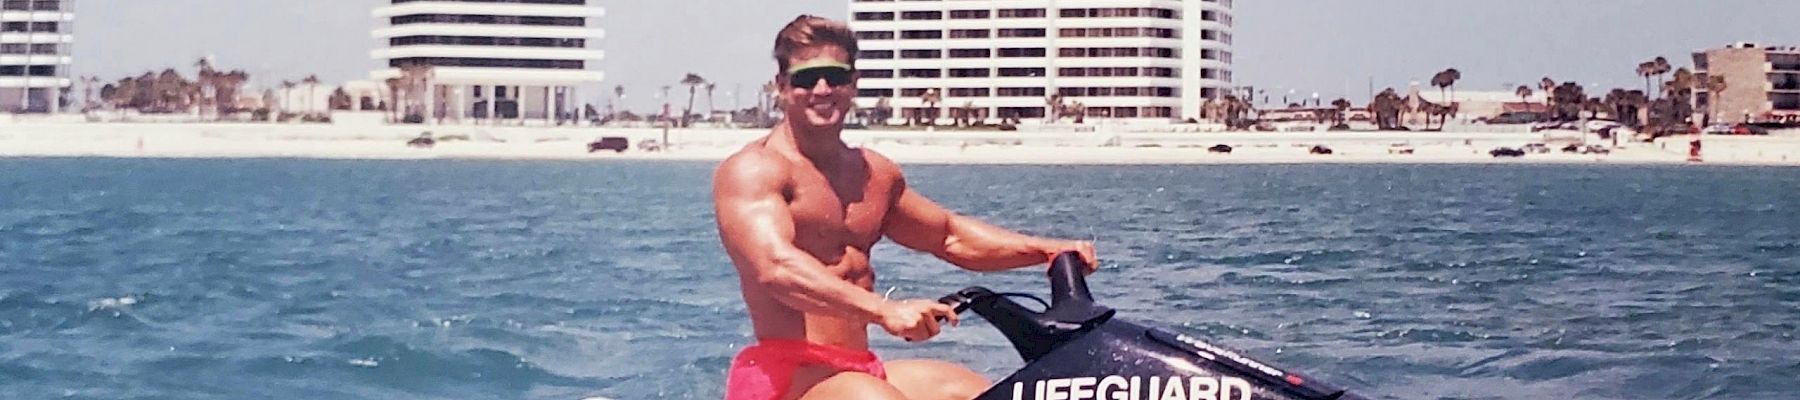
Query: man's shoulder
x=878, y=162
x=753, y=163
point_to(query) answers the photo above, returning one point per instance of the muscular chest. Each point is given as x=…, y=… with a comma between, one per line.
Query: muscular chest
x=838, y=212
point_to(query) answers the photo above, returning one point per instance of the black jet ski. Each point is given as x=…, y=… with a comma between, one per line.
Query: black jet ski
x=1076, y=350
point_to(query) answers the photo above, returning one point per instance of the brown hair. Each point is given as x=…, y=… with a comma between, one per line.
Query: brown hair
x=810, y=31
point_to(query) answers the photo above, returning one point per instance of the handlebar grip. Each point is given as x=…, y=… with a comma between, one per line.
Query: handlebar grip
x=1068, y=280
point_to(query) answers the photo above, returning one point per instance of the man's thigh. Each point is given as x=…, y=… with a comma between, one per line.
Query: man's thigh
x=935, y=380
x=816, y=384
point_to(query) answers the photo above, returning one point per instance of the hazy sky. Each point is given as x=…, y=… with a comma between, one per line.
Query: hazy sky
x=1329, y=46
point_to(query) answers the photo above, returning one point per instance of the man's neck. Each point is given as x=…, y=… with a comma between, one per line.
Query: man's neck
x=821, y=145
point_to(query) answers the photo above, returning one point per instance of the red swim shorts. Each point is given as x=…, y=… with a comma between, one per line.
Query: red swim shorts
x=765, y=370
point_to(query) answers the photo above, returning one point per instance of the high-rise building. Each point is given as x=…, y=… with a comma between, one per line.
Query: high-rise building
x=35, y=37
x=490, y=60
x=1761, y=83
x=1136, y=59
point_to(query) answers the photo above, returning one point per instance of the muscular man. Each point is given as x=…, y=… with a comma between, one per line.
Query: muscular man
x=798, y=211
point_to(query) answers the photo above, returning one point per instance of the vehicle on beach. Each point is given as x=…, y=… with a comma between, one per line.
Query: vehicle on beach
x=424, y=141
x=614, y=143
x=649, y=145
x=1400, y=148
x=1506, y=152
x=1737, y=129
x=1320, y=150
x=1224, y=149
x=1538, y=148
x=1513, y=118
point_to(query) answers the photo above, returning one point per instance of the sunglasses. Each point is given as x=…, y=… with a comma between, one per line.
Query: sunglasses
x=834, y=75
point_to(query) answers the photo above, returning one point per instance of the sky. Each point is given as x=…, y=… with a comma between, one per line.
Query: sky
x=1332, y=47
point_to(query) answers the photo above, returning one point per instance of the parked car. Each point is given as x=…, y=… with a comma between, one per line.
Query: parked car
x=1224, y=149
x=649, y=145
x=1321, y=150
x=424, y=141
x=1514, y=118
x=1595, y=149
x=1506, y=152
x=1538, y=148
x=1400, y=148
x=614, y=143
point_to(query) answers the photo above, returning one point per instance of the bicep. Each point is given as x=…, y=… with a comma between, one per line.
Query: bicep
x=754, y=221
x=917, y=222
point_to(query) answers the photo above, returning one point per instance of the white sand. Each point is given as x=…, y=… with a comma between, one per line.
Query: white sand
x=387, y=142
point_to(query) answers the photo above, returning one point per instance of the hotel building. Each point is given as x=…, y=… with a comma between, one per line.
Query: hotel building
x=1128, y=59
x=35, y=37
x=493, y=60
x=1761, y=83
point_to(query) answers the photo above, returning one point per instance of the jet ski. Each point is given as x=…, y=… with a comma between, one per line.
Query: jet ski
x=1076, y=349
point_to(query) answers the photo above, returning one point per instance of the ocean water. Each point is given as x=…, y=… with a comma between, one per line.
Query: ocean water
x=308, y=279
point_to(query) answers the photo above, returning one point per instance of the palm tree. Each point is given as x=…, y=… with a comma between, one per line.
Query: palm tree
x=931, y=98
x=415, y=78
x=1715, y=85
x=618, y=98
x=312, y=90
x=1548, y=88
x=710, y=109
x=231, y=83
x=1524, y=93
x=1443, y=80
x=287, y=92
x=393, y=86
x=693, y=82
x=1343, y=111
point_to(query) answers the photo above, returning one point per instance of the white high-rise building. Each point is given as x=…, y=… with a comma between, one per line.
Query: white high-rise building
x=515, y=59
x=35, y=37
x=1135, y=59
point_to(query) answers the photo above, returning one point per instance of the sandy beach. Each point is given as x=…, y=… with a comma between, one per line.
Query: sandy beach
x=223, y=140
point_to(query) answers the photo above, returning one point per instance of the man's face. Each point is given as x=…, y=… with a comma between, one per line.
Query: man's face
x=817, y=87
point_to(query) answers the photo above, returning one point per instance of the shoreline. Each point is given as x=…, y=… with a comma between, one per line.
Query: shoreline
x=242, y=141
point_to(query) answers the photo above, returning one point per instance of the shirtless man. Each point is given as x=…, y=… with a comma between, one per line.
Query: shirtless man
x=798, y=211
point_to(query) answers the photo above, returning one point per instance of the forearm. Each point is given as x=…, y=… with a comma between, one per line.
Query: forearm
x=979, y=246
x=803, y=283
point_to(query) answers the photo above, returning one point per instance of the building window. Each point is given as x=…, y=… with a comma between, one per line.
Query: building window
x=922, y=15
x=968, y=92
x=913, y=92
x=1022, y=52
x=1022, y=13
x=1021, y=92
x=1119, y=12
x=921, y=54
x=1021, y=112
x=874, y=16
x=875, y=93
x=35, y=70
x=969, y=33
x=932, y=34
x=970, y=53
x=487, y=62
x=875, y=54
x=921, y=73
x=1021, y=32
x=874, y=35
x=487, y=41
x=43, y=27
x=875, y=73
x=486, y=20
x=969, y=72
x=1022, y=72
x=970, y=14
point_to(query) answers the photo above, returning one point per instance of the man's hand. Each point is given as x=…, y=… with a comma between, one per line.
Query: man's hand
x=915, y=320
x=1084, y=248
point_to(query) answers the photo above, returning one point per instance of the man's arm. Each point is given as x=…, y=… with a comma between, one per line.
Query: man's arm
x=758, y=232
x=921, y=224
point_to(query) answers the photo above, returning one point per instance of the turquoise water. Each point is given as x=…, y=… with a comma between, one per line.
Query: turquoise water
x=302, y=279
